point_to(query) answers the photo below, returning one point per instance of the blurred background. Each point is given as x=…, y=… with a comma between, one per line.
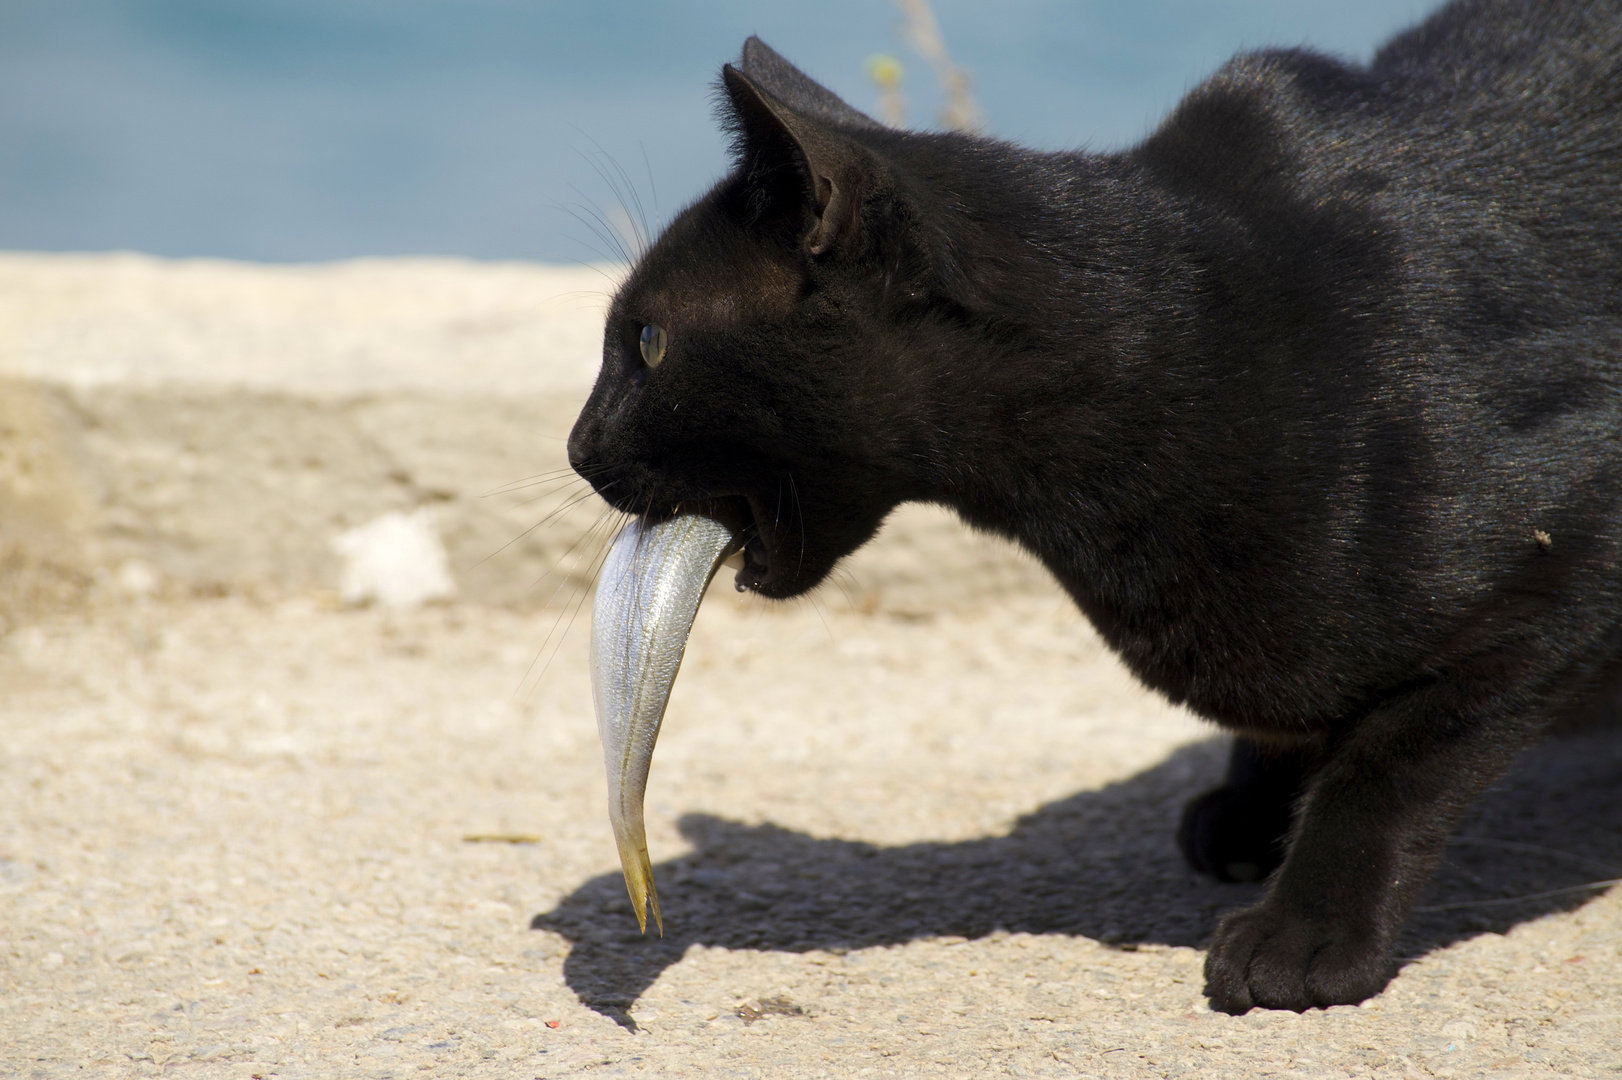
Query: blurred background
x=295, y=130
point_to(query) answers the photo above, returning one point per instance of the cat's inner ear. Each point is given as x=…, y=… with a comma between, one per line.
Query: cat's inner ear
x=792, y=156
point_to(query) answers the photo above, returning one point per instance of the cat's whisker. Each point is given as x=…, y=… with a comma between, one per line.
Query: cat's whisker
x=822, y=616
x=516, y=486
x=652, y=187
x=568, y=504
x=619, y=182
x=594, y=567
x=601, y=299
x=557, y=489
x=581, y=542
x=583, y=264
x=573, y=556
x=555, y=476
x=843, y=580
x=799, y=517
x=594, y=220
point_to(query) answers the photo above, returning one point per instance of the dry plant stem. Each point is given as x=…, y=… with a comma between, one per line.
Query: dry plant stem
x=961, y=112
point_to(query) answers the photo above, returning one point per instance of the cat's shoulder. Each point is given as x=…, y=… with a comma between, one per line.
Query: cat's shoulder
x=1264, y=120
x=1470, y=47
x=1306, y=118
x=1465, y=50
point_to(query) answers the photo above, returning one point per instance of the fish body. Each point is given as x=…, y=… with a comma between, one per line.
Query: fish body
x=647, y=596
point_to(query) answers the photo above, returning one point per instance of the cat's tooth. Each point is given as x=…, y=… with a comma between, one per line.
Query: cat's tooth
x=647, y=597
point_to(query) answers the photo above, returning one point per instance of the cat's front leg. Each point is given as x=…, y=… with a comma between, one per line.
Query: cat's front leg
x=1368, y=835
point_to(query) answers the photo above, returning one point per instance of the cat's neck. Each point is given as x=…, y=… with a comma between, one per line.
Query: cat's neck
x=1108, y=404
x=1086, y=287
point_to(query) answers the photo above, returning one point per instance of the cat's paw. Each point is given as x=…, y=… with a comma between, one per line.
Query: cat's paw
x=1266, y=957
x=1235, y=833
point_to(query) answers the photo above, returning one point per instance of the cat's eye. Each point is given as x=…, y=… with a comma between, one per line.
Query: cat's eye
x=654, y=339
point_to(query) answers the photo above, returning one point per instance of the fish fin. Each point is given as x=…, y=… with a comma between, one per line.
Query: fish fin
x=638, y=868
x=653, y=902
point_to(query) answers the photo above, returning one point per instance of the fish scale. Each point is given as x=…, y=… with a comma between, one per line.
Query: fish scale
x=647, y=597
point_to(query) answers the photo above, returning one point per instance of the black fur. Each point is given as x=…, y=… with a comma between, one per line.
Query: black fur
x=1310, y=401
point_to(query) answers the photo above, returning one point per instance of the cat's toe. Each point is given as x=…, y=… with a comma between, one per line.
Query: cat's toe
x=1234, y=833
x=1264, y=957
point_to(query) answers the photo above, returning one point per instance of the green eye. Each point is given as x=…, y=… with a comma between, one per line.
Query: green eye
x=653, y=345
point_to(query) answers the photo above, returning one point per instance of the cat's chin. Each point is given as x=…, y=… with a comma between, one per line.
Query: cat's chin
x=756, y=572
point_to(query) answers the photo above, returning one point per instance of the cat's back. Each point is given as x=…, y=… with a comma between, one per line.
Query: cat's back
x=1523, y=56
x=1491, y=86
x=1524, y=95
x=1485, y=142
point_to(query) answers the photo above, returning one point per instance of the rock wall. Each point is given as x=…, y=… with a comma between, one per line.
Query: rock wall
x=211, y=426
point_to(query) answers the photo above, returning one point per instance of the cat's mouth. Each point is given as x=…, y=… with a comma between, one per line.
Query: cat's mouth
x=757, y=531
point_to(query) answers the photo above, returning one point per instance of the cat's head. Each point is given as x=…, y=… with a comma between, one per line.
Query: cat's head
x=757, y=361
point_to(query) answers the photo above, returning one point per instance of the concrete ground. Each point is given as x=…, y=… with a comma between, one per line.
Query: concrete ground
x=919, y=825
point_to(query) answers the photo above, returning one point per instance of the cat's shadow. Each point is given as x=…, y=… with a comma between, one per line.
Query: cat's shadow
x=1099, y=864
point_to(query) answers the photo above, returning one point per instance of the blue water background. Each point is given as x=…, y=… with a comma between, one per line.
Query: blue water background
x=317, y=129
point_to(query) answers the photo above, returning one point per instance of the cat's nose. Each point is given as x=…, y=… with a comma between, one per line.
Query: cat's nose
x=580, y=440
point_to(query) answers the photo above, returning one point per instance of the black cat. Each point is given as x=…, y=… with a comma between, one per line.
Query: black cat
x=1312, y=401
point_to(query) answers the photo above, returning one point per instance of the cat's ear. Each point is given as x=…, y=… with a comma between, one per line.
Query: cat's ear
x=795, y=89
x=790, y=144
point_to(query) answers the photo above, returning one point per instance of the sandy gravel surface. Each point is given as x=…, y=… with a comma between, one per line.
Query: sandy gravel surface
x=916, y=846
x=919, y=826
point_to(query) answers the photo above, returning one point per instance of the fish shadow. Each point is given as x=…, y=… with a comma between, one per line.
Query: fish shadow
x=1099, y=864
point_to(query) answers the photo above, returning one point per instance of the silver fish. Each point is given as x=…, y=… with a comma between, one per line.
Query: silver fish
x=647, y=596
